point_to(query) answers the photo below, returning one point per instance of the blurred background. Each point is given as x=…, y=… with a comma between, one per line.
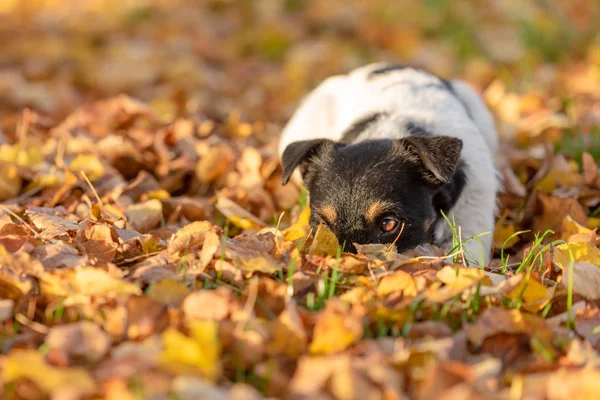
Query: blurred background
x=236, y=69
x=258, y=57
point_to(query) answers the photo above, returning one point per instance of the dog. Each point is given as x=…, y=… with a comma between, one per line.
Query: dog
x=391, y=154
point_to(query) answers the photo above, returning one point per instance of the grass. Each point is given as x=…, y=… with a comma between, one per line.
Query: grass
x=574, y=145
x=458, y=242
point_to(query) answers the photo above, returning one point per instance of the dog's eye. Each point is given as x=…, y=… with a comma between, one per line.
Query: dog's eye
x=388, y=225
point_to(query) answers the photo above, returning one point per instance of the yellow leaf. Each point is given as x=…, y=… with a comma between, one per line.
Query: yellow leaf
x=10, y=183
x=535, y=296
x=160, y=194
x=456, y=280
x=574, y=232
x=585, y=262
x=23, y=155
x=335, y=332
x=398, y=282
x=324, y=243
x=581, y=252
x=30, y=364
x=169, y=291
x=237, y=215
x=145, y=216
x=198, y=354
x=289, y=334
x=151, y=244
x=188, y=238
x=304, y=217
x=502, y=233
x=300, y=229
x=559, y=178
x=89, y=164
x=81, y=283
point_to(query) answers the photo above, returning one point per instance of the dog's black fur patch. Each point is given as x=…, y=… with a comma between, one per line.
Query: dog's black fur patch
x=414, y=175
x=444, y=84
x=386, y=68
x=358, y=127
x=414, y=129
x=450, y=88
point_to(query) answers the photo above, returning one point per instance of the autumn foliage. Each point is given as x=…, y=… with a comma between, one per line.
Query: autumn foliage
x=148, y=249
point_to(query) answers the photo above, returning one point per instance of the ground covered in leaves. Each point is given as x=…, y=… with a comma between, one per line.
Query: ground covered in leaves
x=148, y=250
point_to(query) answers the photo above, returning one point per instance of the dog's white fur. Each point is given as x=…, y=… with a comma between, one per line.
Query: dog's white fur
x=413, y=95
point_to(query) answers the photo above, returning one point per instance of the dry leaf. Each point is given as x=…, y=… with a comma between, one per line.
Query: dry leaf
x=30, y=364
x=97, y=241
x=198, y=354
x=168, y=291
x=335, y=332
x=79, y=341
x=145, y=216
x=398, y=282
x=237, y=215
x=324, y=243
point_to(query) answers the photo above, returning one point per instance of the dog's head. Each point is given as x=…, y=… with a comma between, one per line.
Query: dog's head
x=375, y=191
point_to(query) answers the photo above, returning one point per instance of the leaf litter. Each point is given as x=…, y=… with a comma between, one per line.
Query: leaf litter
x=148, y=249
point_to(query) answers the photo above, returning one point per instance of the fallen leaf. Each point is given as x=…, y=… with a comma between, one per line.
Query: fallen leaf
x=335, y=332
x=145, y=216
x=78, y=284
x=289, y=334
x=82, y=340
x=533, y=294
x=168, y=291
x=456, y=280
x=502, y=233
x=97, y=240
x=498, y=320
x=196, y=355
x=88, y=164
x=398, y=282
x=590, y=169
x=237, y=215
x=574, y=232
x=10, y=182
x=300, y=229
x=207, y=304
x=59, y=382
x=189, y=238
x=254, y=253
x=324, y=243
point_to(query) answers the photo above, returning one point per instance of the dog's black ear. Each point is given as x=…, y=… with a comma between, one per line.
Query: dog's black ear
x=299, y=154
x=438, y=155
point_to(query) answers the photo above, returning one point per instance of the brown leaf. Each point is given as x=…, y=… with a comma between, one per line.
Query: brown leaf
x=335, y=332
x=590, y=169
x=145, y=317
x=189, y=238
x=52, y=226
x=58, y=255
x=170, y=292
x=498, y=320
x=145, y=216
x=22, y=264
x=80, y=341
x=254, y=253
x=97, y=241
x=237, y=215
x=208, y=304
x=555, y=209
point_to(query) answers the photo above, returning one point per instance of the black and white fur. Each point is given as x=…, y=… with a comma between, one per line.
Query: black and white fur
x=357, y=137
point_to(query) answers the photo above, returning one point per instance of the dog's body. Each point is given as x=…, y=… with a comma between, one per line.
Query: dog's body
x=382, y=145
